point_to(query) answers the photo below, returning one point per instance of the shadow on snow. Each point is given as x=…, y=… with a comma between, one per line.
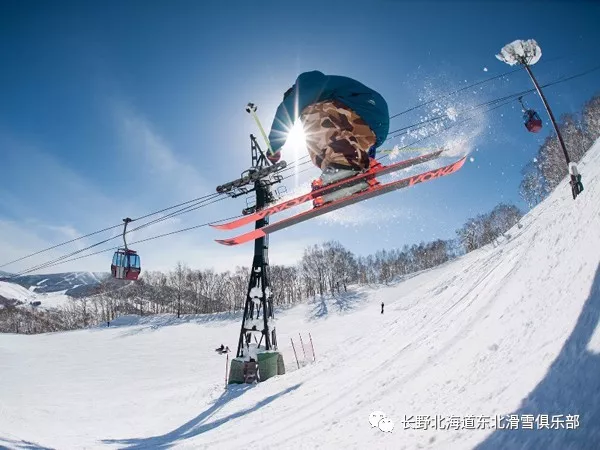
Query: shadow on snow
x=322, y=305
x=571, y=387
x=133, y=325
x=200, y=424
x=22, y=445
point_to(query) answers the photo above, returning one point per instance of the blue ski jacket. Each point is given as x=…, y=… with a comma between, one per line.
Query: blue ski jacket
x=313, y=87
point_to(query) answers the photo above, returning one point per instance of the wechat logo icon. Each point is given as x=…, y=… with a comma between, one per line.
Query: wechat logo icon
x=378, y=419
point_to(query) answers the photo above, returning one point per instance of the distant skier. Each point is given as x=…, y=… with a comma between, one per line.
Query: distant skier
x=381, y=307
x=344, y=123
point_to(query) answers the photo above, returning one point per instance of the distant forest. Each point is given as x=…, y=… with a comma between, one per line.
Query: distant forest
x=327, y=268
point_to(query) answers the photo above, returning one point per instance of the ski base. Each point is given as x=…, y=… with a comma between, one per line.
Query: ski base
x=378, y=170
x=372, y=191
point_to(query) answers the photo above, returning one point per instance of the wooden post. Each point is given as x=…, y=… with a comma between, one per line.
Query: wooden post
x=295, y=353
x=226, y=367
x=313, y=348
x=302, y=343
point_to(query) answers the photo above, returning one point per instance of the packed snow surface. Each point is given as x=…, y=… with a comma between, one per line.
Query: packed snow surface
x=509, y=329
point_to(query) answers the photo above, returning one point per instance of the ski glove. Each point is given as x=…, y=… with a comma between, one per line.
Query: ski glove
x=372, y=152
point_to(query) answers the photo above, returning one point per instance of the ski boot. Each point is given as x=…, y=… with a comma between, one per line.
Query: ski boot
x=332, y=175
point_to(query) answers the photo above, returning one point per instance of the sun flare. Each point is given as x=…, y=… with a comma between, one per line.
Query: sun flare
x=296, y=140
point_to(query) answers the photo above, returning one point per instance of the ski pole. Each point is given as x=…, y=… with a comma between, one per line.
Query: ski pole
x=295, y=353
x=251, y=109
x=313, y=348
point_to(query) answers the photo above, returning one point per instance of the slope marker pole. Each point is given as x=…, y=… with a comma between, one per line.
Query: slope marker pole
x=295, y=353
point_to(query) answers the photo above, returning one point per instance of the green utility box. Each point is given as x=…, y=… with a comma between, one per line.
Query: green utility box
x=268, y=365
x=236, y=372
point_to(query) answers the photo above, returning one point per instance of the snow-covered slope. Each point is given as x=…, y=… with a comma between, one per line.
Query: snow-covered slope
x=24, y=297
x=12, y=291
x=504, y=330
x=75, y=284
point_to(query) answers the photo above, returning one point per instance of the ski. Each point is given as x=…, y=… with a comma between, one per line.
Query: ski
x=370, y=192
x=369, y=174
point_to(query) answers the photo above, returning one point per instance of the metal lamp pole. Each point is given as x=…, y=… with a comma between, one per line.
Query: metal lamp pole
x=522, y=59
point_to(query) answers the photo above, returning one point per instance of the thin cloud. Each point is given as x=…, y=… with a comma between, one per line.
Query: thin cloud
x=152, y=154
x=49, y=188
x=17, y=240
x=51, y=205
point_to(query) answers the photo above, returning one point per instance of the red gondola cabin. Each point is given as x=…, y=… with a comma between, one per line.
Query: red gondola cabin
x=532, y=120
x=125, y=265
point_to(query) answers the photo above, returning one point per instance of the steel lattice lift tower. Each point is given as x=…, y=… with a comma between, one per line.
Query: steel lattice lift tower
x=258, y=322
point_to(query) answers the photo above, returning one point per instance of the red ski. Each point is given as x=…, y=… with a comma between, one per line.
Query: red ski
x=370, y=192
x=369, y=174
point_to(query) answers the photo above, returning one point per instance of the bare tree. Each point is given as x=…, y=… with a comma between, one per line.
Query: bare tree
x=591, y=118
x=485, y=228
x=532, y=188
x=177, y=280
x=313, y=270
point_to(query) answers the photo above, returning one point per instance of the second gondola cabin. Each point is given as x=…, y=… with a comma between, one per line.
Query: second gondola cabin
x=126, y=265
x=532, y=121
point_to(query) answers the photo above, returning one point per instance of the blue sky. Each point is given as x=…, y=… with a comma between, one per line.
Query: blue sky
x=114, y=109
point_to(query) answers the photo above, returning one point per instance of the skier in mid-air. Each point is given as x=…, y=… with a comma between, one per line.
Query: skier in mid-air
x=344, y=123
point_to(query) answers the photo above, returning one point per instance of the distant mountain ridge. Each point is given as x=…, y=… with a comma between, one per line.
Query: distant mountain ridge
x=74, y=284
